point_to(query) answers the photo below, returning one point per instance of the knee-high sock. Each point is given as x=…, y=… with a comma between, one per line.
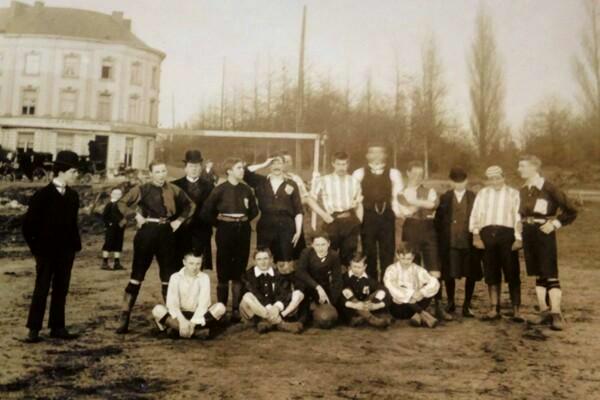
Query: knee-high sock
x=541, y=292
x=555, y=294
x=438, y=295
x=450, y=290
x=236, y=294
x=469, y=290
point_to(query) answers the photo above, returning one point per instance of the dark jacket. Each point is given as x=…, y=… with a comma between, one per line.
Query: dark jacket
x=50, y=223
x=111, y=216
x=443, y=220
x=205, y=187
x=268, y=289
x=312, y=272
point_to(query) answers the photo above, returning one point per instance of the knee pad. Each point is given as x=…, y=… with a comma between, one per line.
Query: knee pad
x=553, y=284
x=542, y=282
x=217, y=310
x=133, y=288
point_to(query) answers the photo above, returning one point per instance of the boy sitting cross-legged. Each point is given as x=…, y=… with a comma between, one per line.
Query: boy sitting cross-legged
x=188, y=307
x=364, y=297
x=411, y=287
x=269, y=299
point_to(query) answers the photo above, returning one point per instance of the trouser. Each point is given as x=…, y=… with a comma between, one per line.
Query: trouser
x=499, y=259
x=349, y=313
x=196, y=240
x=540, y=252
x=407, y=310
x=421, y=235
x=343, y=233
x=233, y=249
x=52, y=270
x=211, y=317
x=275, y=232
x=378, y=240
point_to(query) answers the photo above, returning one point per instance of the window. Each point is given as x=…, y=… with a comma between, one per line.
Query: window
x=32, y=64
x=136, y=73
x=68, y=103
x=134, y=109
x=128, y=152
x=24, y=141
x=64, y=141
x=29, y=102
x=152, y=119
x=71, y=66
x=154, y=82
x=107, y=69
x=105, y=107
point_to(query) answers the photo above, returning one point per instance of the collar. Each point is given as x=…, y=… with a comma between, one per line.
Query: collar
x=282, y=176
x=460, y=193
x=258, y=272
x=537, y=181
x=58, y=184
x=377, y=168
x=351, y=274
x=192, y=180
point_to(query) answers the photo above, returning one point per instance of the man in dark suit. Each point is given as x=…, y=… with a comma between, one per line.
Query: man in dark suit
x=194, y=236
x=51, y=232
x=458, y=255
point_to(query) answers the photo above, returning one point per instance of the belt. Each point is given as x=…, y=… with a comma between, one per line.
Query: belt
x=227, y=218
x=342, y=214
x=425, y=218
x=533, y=220
x=157, y=220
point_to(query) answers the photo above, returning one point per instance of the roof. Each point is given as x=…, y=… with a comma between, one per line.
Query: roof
x=24, y=19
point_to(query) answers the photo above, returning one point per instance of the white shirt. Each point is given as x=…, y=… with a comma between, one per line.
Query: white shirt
x=258, y=272
x=60, y=186
x=496, y=207
x=338, y=193
x=189, y=293
x=459, y=195
x=192, y=180
x=411, y=192
x=402, y=282
x=300, y=183
x=395, y=177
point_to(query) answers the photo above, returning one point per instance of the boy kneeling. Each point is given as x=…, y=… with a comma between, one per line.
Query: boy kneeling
x=412, y=288
x=364, y=297
x=270, y=300
x=188, y=307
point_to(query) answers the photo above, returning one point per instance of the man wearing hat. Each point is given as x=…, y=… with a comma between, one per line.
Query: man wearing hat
x=52, y=234
x=458, y=255
x=380, y=186
x=194, y=235
x=495, y=223
x=544, y=210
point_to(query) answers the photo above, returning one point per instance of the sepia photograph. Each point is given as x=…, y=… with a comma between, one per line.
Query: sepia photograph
x=299, y=199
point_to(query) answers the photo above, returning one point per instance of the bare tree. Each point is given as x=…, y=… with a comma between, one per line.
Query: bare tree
x=587, y=69
x=486, y=85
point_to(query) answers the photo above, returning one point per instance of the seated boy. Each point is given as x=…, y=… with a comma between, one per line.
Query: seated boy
x=269, y=297
x=364, y=298
x=319, y=273
x=115, y=229
x=411, y=287
x=188, y=307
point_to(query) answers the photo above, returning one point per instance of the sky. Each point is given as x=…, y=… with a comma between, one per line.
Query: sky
x=537, y=40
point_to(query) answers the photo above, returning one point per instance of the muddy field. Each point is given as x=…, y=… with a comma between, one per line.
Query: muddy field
x=460, y=360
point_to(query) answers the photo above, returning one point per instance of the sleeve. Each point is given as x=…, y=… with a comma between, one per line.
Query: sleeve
x=429, y=285
x=302, y=272
x=253, y=211
x=397, y=187
x=433, y=197
x=315, y=191
x=250, y=285
x=173, y=304
x=297, y=200
x=474, y=218
x=185, y=205
x=336, y=279
x=357, y=196
x=359, y=174
x=252, y=178
x=400, y=293
x=347, y=292
x=568, y=212
x=440, y=213
x=75, y=225
x=377, y=288
x=128, y=202
x=31, y=222
x=518, y=224
x=106, y=214
x=203, y=301
x=208, y=213
x=284, y=291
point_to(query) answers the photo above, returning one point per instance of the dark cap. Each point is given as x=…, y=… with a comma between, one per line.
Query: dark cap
x=193, y=156
x=67, y=158
x=457, y=174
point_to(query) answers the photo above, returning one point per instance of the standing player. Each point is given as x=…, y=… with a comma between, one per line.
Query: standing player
x=544, y=210
x=113, y=235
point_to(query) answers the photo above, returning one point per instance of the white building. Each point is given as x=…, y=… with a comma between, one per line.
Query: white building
x=69, y=76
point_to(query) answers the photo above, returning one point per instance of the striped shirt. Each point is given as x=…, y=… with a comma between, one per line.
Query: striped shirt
x=301, y=186
x=338, y=193
x=496, y=207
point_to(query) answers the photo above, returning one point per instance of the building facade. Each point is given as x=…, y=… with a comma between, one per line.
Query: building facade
x=69, y=77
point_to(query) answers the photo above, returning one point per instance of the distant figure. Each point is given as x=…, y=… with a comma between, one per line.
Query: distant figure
x=115, y=229
x=51, y=231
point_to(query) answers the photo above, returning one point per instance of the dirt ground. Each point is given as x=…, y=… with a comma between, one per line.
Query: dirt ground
x=459, y=360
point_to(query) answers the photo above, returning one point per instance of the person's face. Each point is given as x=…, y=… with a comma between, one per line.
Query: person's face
x=209, y=165
x=406, y=259
x=193, y=170
x=116, y=194
x=526, y=169
x=496, y=182
x=288, y=163
x=262, y=260
x=277, y=166
x=237, y=171
x=376, y=155
x=158, y=174
x=358, y=267
x=460, y=186
x=321, y=245
x=69, y=176
x=192, y=264
x=415, y=174
x=340, y=167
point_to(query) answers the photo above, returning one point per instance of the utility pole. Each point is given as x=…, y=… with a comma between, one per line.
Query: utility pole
x=300, y=92
x=223, y=95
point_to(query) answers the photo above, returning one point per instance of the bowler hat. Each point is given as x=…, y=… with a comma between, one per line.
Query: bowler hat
x=193, y=156
x=457, y=174
x=67, y=158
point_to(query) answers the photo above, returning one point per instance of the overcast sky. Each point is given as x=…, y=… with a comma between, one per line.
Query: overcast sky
x=346, y=38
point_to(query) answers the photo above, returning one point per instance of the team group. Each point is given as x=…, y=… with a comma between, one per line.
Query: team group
x=457, y=235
